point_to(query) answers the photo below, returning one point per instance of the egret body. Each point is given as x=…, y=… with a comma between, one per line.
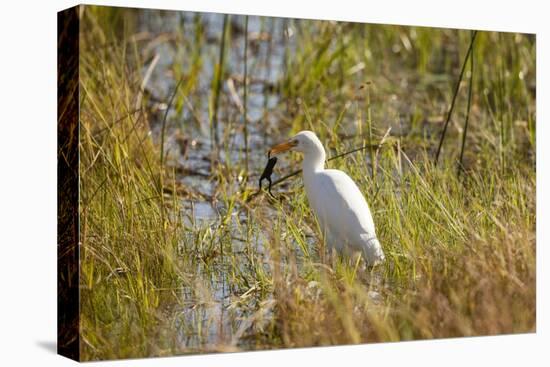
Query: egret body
x=339, y=205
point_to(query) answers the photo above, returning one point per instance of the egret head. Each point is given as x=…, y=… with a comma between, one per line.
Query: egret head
x=305, y=142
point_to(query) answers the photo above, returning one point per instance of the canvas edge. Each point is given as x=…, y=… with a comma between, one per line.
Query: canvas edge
x=68, y=310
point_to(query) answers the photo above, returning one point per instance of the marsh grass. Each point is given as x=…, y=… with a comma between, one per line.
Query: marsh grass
x=157, y=279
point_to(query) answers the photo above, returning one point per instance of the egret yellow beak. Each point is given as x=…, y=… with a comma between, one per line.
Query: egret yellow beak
x=283, y=147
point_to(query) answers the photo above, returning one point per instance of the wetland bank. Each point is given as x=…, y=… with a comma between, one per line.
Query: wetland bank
x=179, y=255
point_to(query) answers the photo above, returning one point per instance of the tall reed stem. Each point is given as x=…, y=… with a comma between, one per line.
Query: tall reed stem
x=218, y=86
x=245, y=97
x=457, y=87
x=267, y=79
x=470, y=88
x=369, y=125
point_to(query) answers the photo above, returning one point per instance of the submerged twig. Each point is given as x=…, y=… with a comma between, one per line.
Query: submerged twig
x=457, y=87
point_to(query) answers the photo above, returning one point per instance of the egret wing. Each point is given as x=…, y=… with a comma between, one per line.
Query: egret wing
x=341, y=208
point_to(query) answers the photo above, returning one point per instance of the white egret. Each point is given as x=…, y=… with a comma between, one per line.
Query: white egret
x=340, y=207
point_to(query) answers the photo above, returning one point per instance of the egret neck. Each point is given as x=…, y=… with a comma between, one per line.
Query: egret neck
x=314, y=159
